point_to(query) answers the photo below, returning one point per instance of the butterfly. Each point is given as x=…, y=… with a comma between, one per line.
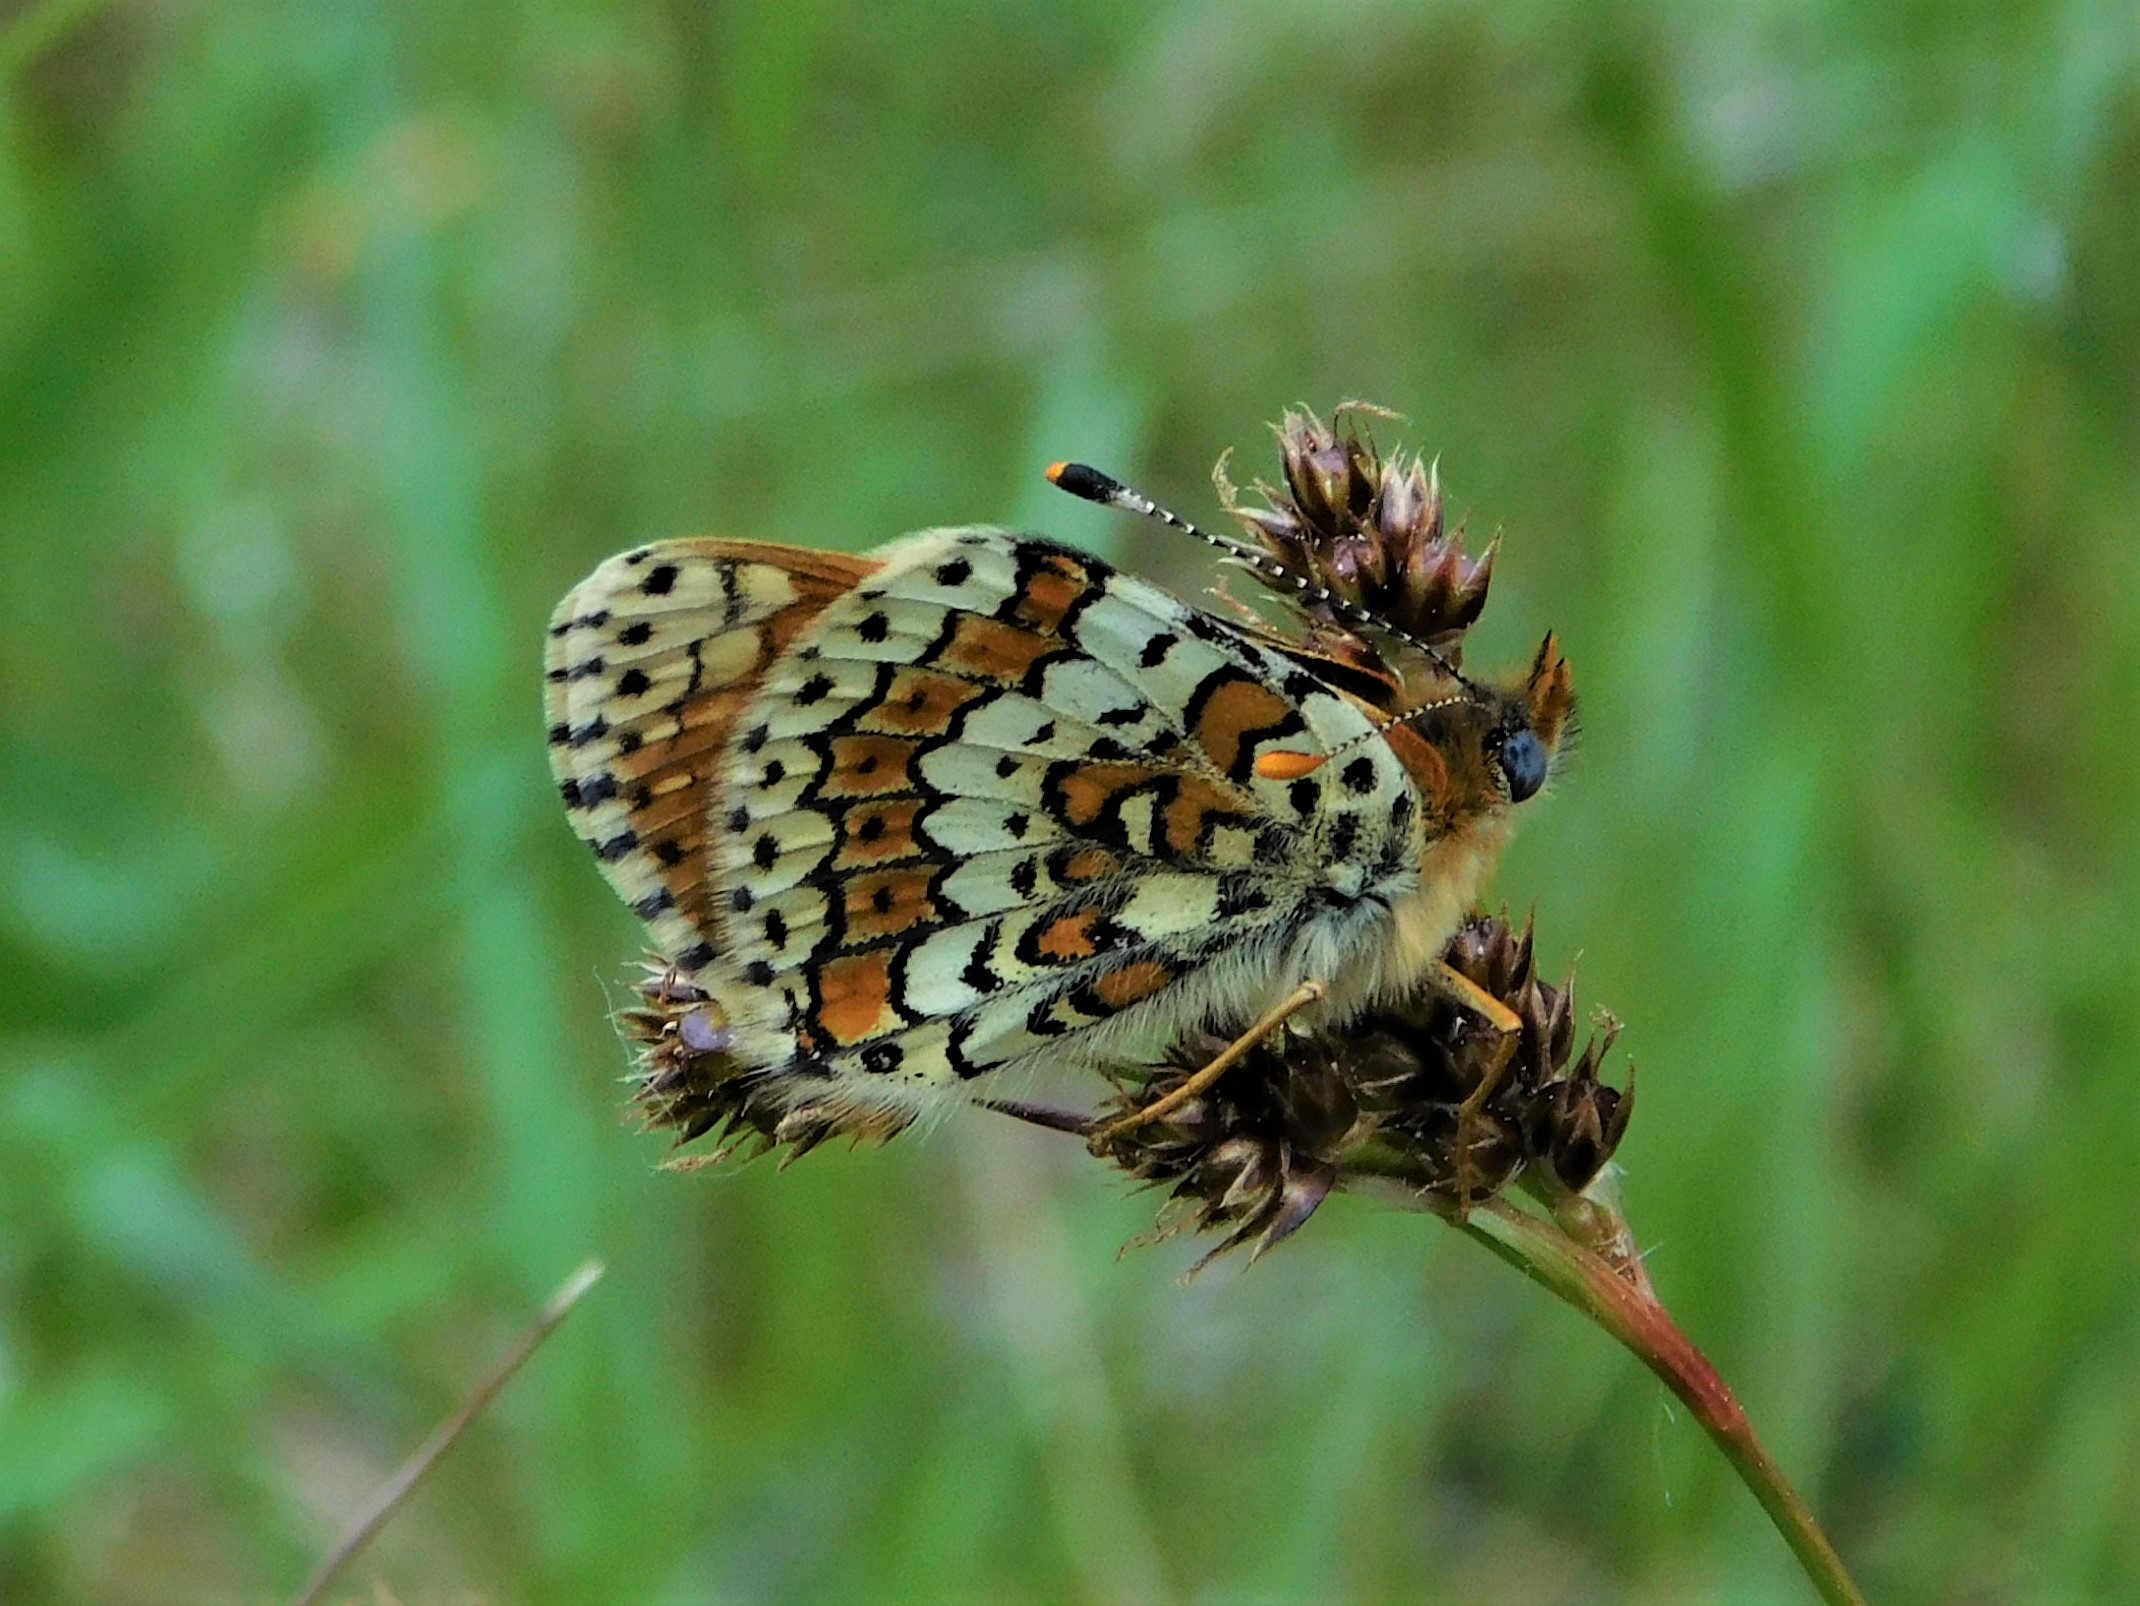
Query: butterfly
x=917, y=822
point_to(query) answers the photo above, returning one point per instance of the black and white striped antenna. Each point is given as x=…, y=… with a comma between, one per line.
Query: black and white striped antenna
x=1083, y=480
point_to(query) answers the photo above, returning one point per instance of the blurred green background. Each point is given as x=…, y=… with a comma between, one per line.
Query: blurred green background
x=1793, y=347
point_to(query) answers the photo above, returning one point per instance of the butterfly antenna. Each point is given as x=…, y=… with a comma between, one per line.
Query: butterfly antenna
x=1083, y=480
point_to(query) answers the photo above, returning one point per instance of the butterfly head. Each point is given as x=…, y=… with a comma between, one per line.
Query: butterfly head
x=1472, y=746
x=1483, y=747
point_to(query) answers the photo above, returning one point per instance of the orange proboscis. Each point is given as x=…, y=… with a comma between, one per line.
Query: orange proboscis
x=1284, y=764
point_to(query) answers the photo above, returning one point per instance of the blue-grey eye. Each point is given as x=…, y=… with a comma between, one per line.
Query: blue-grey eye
x=1523, y=764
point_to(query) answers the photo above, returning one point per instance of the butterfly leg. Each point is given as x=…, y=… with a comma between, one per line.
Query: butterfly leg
x=1508, y=1027
x=1308, y=992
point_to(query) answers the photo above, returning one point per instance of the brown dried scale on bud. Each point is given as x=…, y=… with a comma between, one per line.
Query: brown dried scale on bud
x=1368, y=528
x=690, y=1083
x=1428, y=1095
x=1568, y=1121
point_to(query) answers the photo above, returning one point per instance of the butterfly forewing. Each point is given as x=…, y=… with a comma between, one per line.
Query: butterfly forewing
x=997, y=799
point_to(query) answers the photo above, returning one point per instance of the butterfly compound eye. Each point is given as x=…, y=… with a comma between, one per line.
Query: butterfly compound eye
x=1523, y=764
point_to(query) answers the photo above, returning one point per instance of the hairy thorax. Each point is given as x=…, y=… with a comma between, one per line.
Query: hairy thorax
x=1420, y=922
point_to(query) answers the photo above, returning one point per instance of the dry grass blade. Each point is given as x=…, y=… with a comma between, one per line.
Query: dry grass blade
x=398, y=1488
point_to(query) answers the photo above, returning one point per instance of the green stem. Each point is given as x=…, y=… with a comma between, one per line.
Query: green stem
x=1589, y=1282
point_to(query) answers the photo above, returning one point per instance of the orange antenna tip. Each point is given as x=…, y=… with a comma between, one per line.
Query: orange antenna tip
x=1082, y=479
x=1285, y=765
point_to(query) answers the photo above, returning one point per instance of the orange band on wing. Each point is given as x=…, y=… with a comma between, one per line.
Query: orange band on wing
x=855, y=996
x=1119, y=989
x=1233, y=714
x=920, y=702
x=1089, y=864
x=870, y=766
x=885, y=903
x=991, y=649
x=1068, y=937
x=1049, y=594
x=877, y=833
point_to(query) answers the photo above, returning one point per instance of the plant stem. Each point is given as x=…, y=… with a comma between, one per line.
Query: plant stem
x=398, y=1488
x=1590, y=1282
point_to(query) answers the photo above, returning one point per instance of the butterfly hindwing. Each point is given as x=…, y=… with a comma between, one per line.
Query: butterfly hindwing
x=650, y=661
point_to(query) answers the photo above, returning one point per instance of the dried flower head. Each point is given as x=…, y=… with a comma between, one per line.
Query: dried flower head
x=1367, y=528
x=1427, y=1095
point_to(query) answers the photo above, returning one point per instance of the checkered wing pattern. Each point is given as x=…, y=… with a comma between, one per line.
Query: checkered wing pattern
x=650, y=660
x=998, y=804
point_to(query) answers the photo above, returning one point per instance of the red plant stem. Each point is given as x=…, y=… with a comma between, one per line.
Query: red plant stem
x=1593, y=1286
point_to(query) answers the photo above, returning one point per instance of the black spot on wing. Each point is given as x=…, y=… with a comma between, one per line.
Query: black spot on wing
x=981, y=976
x=585, y=669
x=1344, y=839
x=1156, y=650
x=1242, y=892
x=1359, y=776
x=1299, y=685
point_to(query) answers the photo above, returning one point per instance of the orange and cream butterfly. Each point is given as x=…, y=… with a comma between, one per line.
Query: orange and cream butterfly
x=977, y=803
